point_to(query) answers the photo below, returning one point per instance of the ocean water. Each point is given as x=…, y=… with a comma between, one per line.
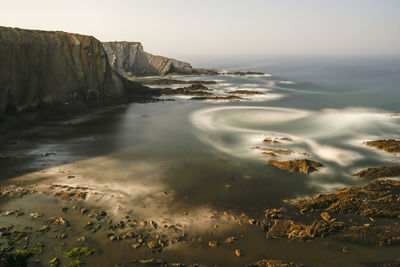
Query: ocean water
x=204, y=152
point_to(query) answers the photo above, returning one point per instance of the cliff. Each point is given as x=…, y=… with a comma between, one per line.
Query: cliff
x=41, y=68
x=129, y=59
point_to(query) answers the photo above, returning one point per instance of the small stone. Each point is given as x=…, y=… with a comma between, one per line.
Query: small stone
x=238, y=252
x=137, y=245
x=130, y=235
x=58, y=220
x=153, y=224
x=45, y=228
x=252, y=221
x=213, y=244
x=81, y=239
x=230, y=240
x=70, y=176
x=54, y=262
x=153, y=244
x=35, y=215
x=326, y=216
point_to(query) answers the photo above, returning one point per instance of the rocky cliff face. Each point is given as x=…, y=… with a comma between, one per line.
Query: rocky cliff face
x=54, y=68
x=129, y=58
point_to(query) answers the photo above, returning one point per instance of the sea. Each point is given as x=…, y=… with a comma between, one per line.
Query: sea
x=210, y=153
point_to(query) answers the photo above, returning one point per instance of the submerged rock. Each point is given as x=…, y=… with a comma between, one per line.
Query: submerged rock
x=172, y=81
x=390, y=145
x=379, y=172
x=245, y=92
x=375, y=236
x=219, y=98
x=274, y=263
x=58, y=220
x=297, y=165
x=238, y=252
x=242, y=73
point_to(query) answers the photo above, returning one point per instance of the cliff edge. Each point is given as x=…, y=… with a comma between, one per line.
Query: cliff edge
x=42, y=68
x=129, y=59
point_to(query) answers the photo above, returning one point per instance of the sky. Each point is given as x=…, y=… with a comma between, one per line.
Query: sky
x=222, y=27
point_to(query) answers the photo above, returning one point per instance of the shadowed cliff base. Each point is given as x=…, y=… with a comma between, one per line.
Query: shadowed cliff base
x=44, y=70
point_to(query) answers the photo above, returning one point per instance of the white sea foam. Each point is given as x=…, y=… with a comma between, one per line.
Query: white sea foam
x=312, y=130
x=287, y=82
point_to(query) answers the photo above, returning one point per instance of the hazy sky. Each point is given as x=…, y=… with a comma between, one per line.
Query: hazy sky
x=188, y=27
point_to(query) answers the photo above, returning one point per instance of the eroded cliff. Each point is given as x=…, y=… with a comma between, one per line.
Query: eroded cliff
x=129, y=59
x=42, y=68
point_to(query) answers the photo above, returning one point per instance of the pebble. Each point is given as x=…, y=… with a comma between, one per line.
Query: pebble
x=238, y=252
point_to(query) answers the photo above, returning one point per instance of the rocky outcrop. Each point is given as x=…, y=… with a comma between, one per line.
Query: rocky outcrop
x=245, y=92
x=379, y=172
x=172, y=82
x=380, y=198
x=366, y=215
x=274, y=263
x=129, y=59
x=194, y=89
x=297, y=165
x=390, y=145
x=42, y=68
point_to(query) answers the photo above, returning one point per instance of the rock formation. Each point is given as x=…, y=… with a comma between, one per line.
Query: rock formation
x=390, y=145
x=379, y=172
x=42, y=68
x=129, y=59
x=380, y=198
x=297, y=165
x=274, y=263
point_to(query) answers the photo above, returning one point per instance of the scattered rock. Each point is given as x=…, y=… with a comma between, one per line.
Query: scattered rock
x=35, y=215
x=390, y=145
x=380, y=172
x=153, y=224
x=45, y=228
x=379, y=198
x=238, y=252
x=274, y=263
x=13, y=212
x=219, y=98
x=274, y=214
x=302, y=165
x=58, y=220
x=153, y=244
x=230, y=240
x=245, y=92
x=213, y=244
